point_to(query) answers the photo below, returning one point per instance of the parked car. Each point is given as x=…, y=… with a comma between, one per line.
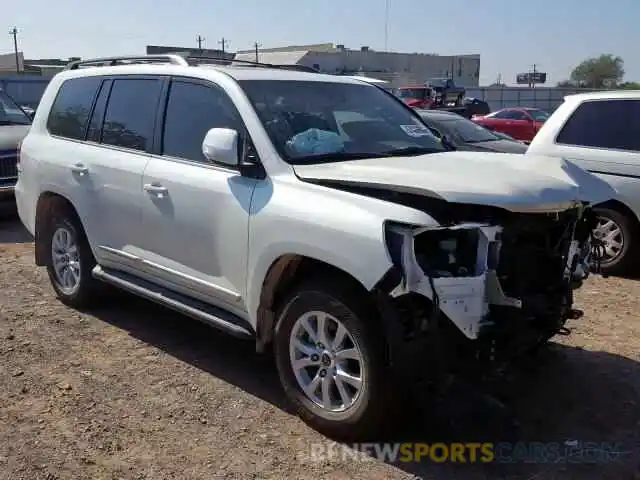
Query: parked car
x=14, y=124
x=463, y=134
x=600, y=131
x=310, y=213
x=417, y=96
x=446, y=92
x=25, y=90
x=475, y=106
x=520, y=123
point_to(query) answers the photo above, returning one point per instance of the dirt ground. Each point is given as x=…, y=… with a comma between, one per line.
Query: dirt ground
x=134, y=391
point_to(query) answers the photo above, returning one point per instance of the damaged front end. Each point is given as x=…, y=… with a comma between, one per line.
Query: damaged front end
x=485, y=286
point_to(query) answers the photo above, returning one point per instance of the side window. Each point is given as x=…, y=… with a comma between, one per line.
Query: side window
x=94, y=134
x=70, y=111
x=612, y=124
x=193, y=109
x=131, y=111
x=510, y=115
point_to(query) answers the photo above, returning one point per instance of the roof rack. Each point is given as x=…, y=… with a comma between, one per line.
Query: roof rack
x=125, y=60
x=181, y=60
x=198, y=60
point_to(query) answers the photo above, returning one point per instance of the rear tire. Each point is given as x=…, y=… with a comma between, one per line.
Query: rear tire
x=70, y=261
x=620, y=235
x=351, y=410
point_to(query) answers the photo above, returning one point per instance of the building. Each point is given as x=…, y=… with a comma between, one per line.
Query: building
x=8, y=63
x=397, y=68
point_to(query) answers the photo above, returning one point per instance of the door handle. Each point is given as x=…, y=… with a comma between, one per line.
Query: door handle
x=80, y=169
x=155, y=188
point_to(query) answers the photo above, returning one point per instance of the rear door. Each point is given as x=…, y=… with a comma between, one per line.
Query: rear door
x=107, y=124
x=514, y=123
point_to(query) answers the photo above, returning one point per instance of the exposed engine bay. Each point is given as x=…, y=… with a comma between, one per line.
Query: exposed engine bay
x=504, y=279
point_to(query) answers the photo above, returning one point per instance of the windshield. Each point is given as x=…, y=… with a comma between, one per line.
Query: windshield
x=310, y=121
x=413, y=93
x=538, y=115
x=467, y=131
x=11, y=113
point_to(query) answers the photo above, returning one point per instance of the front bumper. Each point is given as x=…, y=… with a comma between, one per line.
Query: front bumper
x=467, y=318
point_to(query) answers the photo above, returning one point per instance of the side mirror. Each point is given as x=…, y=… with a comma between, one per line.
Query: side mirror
x=220, y=145
x=447, y=142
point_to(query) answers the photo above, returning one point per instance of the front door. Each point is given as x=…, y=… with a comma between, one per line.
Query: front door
x=195, y=212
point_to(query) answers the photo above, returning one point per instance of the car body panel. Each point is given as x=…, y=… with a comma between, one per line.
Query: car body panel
x=621, y=169
x=510, y=181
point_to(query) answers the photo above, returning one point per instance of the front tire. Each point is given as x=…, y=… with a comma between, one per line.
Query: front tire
x=330, y=358
x=70, y=262
x=619, y=235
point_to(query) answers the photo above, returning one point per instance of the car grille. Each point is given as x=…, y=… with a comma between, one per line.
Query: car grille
x=8, y=164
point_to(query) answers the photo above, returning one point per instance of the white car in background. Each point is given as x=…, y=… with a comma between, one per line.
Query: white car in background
x=600, y=132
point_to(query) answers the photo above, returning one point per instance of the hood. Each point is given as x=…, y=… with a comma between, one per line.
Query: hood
x=519, y=183
x=499, y=146
x=11, y=135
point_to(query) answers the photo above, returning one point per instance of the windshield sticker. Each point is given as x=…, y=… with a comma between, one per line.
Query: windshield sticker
x=416, y=131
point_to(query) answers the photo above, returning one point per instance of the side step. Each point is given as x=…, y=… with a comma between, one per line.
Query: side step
x=216, y=317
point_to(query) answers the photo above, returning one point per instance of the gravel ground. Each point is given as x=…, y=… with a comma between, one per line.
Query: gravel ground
x=134, y=391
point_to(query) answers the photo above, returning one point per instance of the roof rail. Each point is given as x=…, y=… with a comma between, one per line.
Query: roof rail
x=110, y=61
x=197, y=60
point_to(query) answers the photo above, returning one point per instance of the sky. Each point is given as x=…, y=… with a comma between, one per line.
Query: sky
x=510, y=36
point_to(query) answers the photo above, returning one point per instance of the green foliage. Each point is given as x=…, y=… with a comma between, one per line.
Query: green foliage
x=605, y=71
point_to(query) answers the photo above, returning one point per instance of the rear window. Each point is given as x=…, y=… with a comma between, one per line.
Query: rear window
x=609, y=124
x=70, y=112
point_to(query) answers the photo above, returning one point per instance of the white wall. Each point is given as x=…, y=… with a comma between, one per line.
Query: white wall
x=545, y=98
x=8, y=63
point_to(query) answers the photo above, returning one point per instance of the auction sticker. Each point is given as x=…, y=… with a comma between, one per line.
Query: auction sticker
x=416, y=130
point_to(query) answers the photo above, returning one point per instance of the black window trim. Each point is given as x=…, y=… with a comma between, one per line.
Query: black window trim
x=573, y=112
x=164, y=79
x=161, y=119
x=107, y=83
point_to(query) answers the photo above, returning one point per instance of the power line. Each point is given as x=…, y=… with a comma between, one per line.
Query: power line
x=200, y=39
x=224, y=43
x=14, y=33
x=257, y=46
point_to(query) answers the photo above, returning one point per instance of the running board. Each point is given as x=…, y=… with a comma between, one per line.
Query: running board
x=216, y=317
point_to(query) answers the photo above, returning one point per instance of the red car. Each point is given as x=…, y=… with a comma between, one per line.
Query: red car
x=520, y=123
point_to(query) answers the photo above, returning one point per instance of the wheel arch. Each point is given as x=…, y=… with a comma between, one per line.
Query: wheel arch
x=622, y=208
x=48, y=203
x=283, y=274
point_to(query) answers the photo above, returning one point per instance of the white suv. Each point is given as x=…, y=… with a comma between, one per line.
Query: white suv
x=311, y=213
x=600, y=132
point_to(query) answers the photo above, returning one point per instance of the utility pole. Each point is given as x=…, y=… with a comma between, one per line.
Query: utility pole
x=533, y=77
x=14, y=33
x=257, y=46
x=386, y=25
x=224, y=44
x=200, y=39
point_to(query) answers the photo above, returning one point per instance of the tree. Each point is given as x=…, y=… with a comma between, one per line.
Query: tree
x=605, y=71
x=630, y=86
